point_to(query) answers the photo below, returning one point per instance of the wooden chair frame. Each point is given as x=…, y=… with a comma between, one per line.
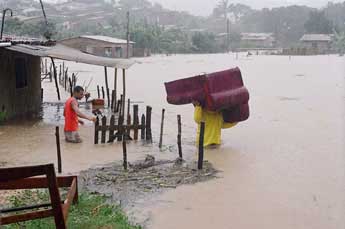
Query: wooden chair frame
x=24, y=178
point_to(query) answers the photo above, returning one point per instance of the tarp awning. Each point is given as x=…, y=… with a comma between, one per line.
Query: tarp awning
x=66, y=53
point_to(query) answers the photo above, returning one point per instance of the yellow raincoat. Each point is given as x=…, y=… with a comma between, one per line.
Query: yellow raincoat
x=214, y=123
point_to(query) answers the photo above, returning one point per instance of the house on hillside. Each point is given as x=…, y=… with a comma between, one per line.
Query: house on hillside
x=257, y=40
x=100, y=46
x=316, y=43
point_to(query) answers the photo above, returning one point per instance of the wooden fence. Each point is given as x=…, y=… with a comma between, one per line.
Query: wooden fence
x=118, y=130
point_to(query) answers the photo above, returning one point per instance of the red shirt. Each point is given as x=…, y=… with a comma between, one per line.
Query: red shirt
x=71, y=117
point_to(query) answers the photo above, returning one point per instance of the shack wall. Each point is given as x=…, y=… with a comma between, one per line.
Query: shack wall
x=25, y=101
x=317, y=47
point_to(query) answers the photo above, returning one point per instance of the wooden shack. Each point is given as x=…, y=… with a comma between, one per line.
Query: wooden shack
x=316, y=43
x=20, y=83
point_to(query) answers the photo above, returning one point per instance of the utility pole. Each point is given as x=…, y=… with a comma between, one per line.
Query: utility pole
x=127, y=34
x=3, y=20
x=44, y=12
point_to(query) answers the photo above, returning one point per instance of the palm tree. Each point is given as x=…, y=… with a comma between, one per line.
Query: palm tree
x=223, y=8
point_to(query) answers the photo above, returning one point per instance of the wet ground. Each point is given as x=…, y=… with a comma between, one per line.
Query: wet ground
x=283, y=168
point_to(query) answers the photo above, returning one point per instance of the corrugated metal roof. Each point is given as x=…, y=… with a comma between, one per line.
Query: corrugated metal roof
x=65, y=53
x=107, y=39
x=256, y=36
x=316, y=37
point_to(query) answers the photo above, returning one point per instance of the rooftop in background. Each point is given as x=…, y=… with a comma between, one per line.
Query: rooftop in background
x=256, y=36
x=13, y=39
x=107, y=39
x=317, y=37
x=66, y=53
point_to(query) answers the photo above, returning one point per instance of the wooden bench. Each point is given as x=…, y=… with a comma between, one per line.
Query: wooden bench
x=25, y=178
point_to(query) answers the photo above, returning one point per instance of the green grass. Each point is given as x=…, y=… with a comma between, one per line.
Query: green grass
x=91, y=212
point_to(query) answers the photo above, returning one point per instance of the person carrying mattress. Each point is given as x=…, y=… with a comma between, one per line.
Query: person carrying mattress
x=214, y=123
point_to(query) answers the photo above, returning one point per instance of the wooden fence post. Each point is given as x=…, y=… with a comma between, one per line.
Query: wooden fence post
x=113, y=101
x=179, y=136
x=124, y=147
x=143, y=129
x=55, y=78
x=60, y=74
x=107, y=85
x=74, y=80
x=66, y=78
x=115, y=87
x=124, y=91
x=148, y=123
x=129, y=108
x=70, y=86
x=104, y=129
x=135, y=121
x=103, y=94
x=121, y=112
x=118, y=106
x=111, y=128
x=162, y=126
x=96, y=130
x=63, y=71
x=58, y=148
x=120, y=132
x=201, y=145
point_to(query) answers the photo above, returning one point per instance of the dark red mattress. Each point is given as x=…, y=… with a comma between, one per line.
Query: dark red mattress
x=186, y=90
x=225, y=89
x=239, y=113
x=220, y=91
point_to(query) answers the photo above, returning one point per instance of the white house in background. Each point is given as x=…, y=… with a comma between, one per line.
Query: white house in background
x=258, y=40
x=319, y=43
x=100, y=46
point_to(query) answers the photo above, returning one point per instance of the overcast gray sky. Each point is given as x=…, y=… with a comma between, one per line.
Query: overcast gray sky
x=204, y=7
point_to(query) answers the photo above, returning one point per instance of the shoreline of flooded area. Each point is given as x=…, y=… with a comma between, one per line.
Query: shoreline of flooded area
x=283, y=168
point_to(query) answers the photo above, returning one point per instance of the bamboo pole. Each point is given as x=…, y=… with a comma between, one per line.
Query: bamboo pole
x=124, y=147
x=201, y=146
x=124, y=91
x=115, y=87
x=58, y=148
x=55, y=78
x=179, y=136
x=162, y=126
x=106, y=84
x=70, y=86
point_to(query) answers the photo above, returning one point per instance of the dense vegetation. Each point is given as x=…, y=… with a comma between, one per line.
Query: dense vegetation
x=162, y=30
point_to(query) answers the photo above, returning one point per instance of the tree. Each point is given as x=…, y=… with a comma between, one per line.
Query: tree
x=318, y=23
x=339, y=42
x=204, y=42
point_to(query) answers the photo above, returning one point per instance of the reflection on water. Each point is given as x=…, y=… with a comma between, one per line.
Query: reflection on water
x=52, y=112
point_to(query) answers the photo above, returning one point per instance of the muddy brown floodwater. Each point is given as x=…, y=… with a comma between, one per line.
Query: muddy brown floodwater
x=283, y=168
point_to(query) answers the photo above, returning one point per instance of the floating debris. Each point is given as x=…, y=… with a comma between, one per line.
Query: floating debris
x=143, y=177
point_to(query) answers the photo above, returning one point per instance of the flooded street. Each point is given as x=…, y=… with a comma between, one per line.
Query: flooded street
x=283, y=168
